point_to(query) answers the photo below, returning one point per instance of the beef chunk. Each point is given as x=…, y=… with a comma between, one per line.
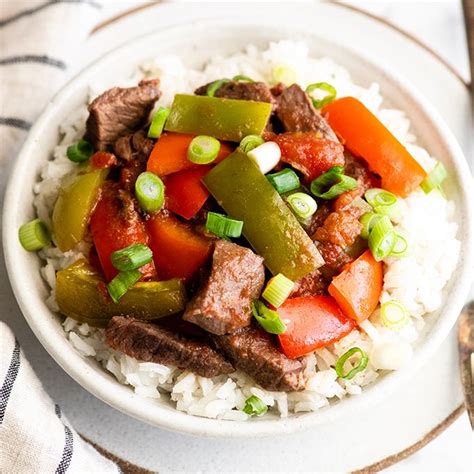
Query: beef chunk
x=312, y=284
x=223, y=303
x=297, y=114
x=119, y=112
x=252, y=350
x=150, y=343
x=257, y=91
x=335, y=257
x=311, y=224
x=340, y=228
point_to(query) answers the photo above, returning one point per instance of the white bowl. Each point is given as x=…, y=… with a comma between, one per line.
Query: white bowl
x=197, y=42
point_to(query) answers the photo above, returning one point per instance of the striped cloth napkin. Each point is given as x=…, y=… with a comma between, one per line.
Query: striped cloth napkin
x=38, y=40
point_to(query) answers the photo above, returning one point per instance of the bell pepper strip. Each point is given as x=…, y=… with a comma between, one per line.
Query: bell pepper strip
x=311, y=322
x=357, y=289
x=224, y=119
x=310, y=153
x=77, y=197
x=103, y=159
x=79, y=297
x=271, y=228
x=185, y=194
x=116, y=224
x=178, y=251
x=170, y=154
x=365, y=136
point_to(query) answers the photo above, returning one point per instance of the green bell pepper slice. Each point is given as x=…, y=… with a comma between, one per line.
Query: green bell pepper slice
x=244, y=192
x=225, y=119
x=78, y=297
x=77, y=197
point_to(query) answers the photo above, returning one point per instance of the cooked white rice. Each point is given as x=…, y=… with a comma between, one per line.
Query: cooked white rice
x=416, y=281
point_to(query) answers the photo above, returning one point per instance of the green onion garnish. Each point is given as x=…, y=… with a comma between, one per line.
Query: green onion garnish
x=393, y=314
x=383, y=202
x=284, y=74
x=254, y=406
x=284, y=181
x=303, y=205
x=158, y=122
x=223, y=226
x=213, y=86
x=80, y=151
x=34, y=235
x=150, y=191
x=322, y=86
x=250, y=142
x=332, y=183
x=267, y=318
x=122, y=283
x=203, y=149
x=382, y=238
x=132, y=257
x=277, y=290
x=400, y=248
x=435, y=178
x=364, y=358
x=368, y=220
x=241, y=77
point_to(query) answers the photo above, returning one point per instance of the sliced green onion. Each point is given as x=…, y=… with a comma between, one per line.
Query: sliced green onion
x=158, y=122
x=368, y=220
x=241, y=77
x=150, y=191
x=361, y=204
x=382, y=238
x=267, y=318
x=203, y=149
x=250, y=142
x=213, y=86
x=303, y=205
x=284, y=181
x=223, y=226
x=131, y=257
x=362, y=364
x=284, y=74
x=393, y=314
x=383, y=202
x=34, y=235
x=277, y=290
x=80, y=151
x=120, y=284
x=435, y=178
x=266, y=156
x=254, y=406
x=400, y=248
x=322, y=86
x=332, y=183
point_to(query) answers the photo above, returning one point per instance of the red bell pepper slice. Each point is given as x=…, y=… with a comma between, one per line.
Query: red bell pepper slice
x=115, y=224
x=185, y=194
x=178, y=251
x=357, y=289
x=311, y=322
x=309, y=153
x=170, y=154
x=365, y=136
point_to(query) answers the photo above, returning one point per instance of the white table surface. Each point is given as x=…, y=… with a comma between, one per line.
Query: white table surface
x=440, y=25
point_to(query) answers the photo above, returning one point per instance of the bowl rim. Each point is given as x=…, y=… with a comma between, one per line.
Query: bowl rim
x=122, y=397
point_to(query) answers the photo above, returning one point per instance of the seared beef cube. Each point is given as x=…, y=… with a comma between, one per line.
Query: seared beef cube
x=252, y=351
x=257, y=91
x=335, y=257
x=341, y=227
x=223, y=303
x=120, y=111
x=148, y=342
x=312, y=284
x=311, y=224
x=296, y=112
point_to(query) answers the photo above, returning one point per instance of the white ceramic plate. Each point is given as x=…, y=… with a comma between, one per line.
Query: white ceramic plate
x=198, y=41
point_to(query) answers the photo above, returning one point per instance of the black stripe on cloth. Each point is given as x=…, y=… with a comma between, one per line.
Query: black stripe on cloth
x=31, y=11
x=9, y=381
x=15, y=122
x=33, y=58
x=68, y=449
